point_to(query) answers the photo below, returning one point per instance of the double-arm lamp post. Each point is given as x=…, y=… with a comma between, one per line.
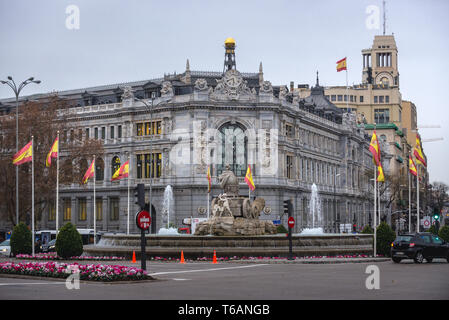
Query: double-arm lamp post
x=17, y=89
x=151, y=147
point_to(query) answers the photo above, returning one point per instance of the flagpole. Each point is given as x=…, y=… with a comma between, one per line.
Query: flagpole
x=375, y=208
x=347, y=95
x=95, y=206
x=32, y=192
x=378, y=197
x=208, y=206
x=129, y=176
x=57, y=188
x=417, y=200
x=409, y=202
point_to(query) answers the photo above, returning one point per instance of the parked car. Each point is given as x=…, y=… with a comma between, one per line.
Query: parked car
x=5, y=248
x=50, y=247
x=418, y=247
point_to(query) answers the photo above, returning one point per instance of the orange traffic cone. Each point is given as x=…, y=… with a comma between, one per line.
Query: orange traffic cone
x=134, y=257
x=214, y=260
x=182, y=257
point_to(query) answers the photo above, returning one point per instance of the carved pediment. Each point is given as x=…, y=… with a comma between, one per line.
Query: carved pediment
x=232, y=87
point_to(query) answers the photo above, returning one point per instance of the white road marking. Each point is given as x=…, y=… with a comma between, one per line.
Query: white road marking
x=212, y=269
x=29, y=283
x=179, y=279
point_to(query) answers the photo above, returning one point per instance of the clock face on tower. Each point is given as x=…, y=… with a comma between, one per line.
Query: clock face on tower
x=233, y=79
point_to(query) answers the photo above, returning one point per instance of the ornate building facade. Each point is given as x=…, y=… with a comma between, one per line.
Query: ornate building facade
x=173, y=128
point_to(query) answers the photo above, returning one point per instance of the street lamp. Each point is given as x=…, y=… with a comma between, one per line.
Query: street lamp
x=151, y=146
x=17, y=90
x=335, y=205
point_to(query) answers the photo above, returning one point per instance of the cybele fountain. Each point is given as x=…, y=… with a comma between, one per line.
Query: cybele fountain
x=234, y=229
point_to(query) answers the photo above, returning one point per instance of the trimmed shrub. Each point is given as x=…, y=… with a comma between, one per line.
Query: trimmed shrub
x=281, y=229
x=385, y=236
x=21, y=240
x=444, y=233
x=433, y=230
x=69, y=242
x=367, y=230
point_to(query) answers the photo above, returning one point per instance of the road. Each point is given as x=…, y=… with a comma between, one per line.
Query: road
x=245, y=281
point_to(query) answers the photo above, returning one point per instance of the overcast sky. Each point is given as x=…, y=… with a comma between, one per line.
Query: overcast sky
x=120, y=41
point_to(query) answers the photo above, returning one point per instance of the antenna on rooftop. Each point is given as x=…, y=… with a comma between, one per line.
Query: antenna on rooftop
x=384, y=16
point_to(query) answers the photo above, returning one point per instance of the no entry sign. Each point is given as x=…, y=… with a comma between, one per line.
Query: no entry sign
x=143, y=220
x=291, y=222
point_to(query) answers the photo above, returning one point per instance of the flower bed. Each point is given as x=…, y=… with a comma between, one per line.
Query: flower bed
x=251, y=258
x=95, y=272
x=53, y=256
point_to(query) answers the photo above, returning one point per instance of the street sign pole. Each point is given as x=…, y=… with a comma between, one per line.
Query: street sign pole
x=143, y=258
x=143, y=221
x=291, y=224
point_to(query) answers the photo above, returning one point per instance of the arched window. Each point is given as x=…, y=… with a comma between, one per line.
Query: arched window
x=99, y=169
x=232, y=149
x=115, y=164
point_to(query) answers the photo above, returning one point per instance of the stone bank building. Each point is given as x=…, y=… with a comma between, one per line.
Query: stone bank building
x=173, y=128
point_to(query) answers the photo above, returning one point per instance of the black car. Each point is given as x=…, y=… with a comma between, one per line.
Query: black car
x=418, y=247
x=50, y=247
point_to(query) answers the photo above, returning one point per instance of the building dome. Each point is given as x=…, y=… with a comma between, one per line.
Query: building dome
x=230, y=42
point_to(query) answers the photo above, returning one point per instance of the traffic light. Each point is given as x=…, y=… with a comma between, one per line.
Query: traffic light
x=436, y=216
x=288, y=207
x=354, y=228
x=140, y=195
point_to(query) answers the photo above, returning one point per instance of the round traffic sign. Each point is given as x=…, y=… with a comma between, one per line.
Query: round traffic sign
x=291, y=222
x=143, y=220
x=426, y=223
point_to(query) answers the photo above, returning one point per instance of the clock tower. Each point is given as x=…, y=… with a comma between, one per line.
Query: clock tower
x=229, y=63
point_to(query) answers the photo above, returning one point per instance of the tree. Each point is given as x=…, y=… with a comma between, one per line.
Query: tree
x=69, y=242
x=41, y=119
x=21, y=240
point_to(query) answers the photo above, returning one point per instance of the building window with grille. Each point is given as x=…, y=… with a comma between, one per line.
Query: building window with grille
x=114, y=209
x=51, y=212
x=67, y=209
x=289, y=166
x=382, y=115
x=99, y=208
x=147, y=164
x=82, y=209
x=149, y=128
x=289, y=131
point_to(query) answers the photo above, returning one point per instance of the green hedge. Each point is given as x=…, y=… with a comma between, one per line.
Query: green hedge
x=21, y=240
x=367, y=230
x=69, y=242
x=385, y=236
x=281, y=229
x=444, y=233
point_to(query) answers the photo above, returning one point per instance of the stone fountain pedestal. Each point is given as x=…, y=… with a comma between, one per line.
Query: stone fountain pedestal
x=230, y=226
x=170, y=246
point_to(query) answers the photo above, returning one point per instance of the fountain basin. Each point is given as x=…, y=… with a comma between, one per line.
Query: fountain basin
x=203, y=246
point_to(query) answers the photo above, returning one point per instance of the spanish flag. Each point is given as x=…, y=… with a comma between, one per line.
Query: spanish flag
x=53, y=153
x=24, y=155
x=380, y=174
x=89, y=173
x=374, y=149
x=249, y=179
x=417, y=151
x=121, y=172
x=209, y=181
x=412, y=166
x=341, y=64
